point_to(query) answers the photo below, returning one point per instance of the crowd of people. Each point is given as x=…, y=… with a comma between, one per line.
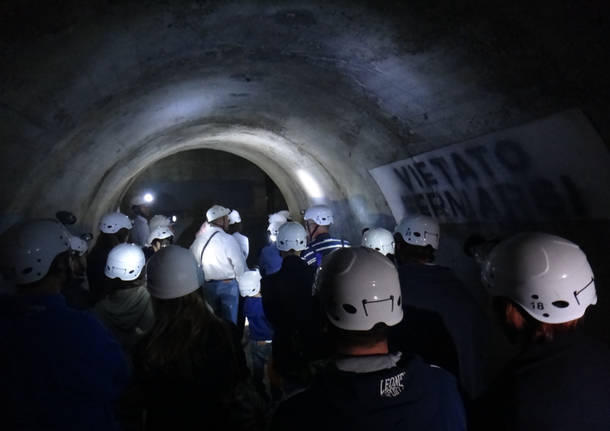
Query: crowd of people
x=137, y=333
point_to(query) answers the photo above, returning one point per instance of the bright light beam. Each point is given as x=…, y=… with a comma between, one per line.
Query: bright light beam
x=311, y=186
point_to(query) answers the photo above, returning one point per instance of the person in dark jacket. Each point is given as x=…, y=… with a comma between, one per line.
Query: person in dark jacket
x=60, y=368
x=114, y=230
x=189, y=369
x=421, y=331
x=127, y=310
x=542, y=286
x=269, y=260
x=434, y=289
x=289, y=306
x=366, y=386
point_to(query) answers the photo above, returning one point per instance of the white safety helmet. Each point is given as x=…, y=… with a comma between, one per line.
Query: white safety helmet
x=284, y=213
x=78, y=244
x=278, y=217
x=160, y=233
x=250, y=283
x=273, y=229
x=32, y=246
x=215, y=212
x=379, y=239
x=548, y=276
x=359, y=288
x=142, y=199
x=234, y=217
x=125, y=261
x=114, y=221
x=172, y=272
x=319, y=214
x=159, y=220
x=291, y=236
x=419, y=230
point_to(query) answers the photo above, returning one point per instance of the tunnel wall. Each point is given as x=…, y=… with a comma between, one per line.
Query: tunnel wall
x=93, y=92
x=89, y=87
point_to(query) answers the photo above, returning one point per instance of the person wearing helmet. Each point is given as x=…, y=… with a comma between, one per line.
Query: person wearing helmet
x=77, y=290
x=434, y=344
x=379, y=239
x=289, y=306
x=114, y=230
x=61, y=369
x=269, y=260
x=159, y=237
x=542, y=287
x=433, y=288
x=222, y=262
x=140, y=205
x=366, y=385
x=318, y=219
x=260, y=332
x=189, y=369
x=235, y=227
x=159, y=220
x=127, y=310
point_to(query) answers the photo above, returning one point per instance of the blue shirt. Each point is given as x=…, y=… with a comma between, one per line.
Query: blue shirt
x=269, y=260
x=320, y=247
x=61, y=369
x=260, y=329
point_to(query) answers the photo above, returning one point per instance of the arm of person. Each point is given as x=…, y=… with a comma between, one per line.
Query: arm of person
x=235, y=256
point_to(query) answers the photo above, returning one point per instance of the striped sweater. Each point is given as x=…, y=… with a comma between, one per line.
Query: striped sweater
x=320, y=247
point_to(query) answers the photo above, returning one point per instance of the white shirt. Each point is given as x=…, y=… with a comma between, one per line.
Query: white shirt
x=223, y=258
x=140, y=231
x=244, y=243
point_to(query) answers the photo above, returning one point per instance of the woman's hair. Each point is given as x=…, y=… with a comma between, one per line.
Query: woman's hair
x=182, y=325
x=523, y=326
x=118, y=284
x=109, y=240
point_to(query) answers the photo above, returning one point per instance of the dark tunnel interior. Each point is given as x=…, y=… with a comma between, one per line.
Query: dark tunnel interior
x=493, y=118
x=188, y=183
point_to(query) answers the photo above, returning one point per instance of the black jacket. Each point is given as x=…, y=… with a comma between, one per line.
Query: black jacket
x=295, y=316
x=436, y=289
x=411, y=395
x=563, y=385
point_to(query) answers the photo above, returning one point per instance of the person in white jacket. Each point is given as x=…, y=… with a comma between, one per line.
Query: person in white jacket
x=140, y=205
x=235, y=230
x=222, y=262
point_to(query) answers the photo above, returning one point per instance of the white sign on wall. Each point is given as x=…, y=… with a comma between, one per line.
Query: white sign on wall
x=557, y=168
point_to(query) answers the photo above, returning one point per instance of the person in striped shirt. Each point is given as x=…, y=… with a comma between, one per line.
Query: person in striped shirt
x=318, y=219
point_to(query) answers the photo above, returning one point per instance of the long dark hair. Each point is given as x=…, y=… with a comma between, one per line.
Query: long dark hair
x=182, y=325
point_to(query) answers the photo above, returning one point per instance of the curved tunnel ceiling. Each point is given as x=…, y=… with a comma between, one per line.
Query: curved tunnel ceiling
x=94, y=93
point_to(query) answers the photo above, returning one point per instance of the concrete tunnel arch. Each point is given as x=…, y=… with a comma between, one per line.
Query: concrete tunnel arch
x=352, y=85
x=274, y=155
x=92, y=167
x=92, y=92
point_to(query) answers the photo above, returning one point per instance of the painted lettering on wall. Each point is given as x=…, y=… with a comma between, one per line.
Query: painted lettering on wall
x=540, y=171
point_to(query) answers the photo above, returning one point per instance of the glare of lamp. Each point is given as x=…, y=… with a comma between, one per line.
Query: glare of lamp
x=310, y=184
